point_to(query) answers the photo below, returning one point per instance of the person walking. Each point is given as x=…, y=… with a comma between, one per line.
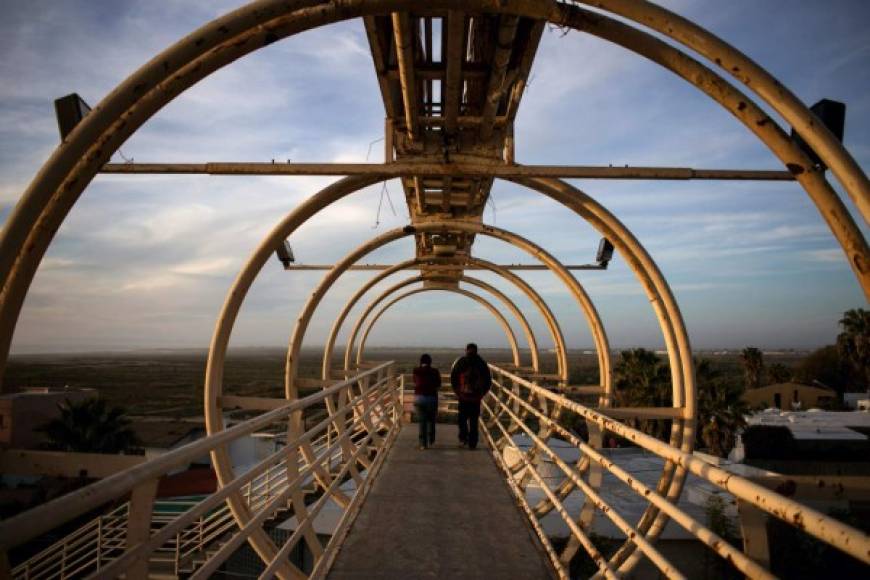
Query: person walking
x=427, y=381
x=471, y=381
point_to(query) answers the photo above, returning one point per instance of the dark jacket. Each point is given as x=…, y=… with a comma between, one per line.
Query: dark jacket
x=479, y=367
x=427, y=381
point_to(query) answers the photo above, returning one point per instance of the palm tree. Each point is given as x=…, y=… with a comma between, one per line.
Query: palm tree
x=89, y=426
x=853, y=343
x=721, y=413
x=753, y=367
x=778, y=373
x=642, y=379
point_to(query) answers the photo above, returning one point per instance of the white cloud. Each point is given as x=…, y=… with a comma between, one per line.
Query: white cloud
x=150, y=258
x=834, y=255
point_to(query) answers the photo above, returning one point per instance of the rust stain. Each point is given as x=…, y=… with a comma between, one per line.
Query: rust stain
x=794, y=168
x=798, y=520
x=787, y=488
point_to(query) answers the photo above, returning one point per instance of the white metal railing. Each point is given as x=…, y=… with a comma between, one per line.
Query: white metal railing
x=517, y=406
x=198, y=536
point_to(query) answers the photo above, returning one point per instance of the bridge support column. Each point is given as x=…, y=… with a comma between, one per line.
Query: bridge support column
x=753, y=528
x=139, y=524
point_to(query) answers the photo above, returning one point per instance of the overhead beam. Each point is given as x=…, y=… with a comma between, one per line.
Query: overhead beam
x=380, y=60
x=462, y=265
x=405, y=58
x=507, y=30
x=525, y=67
x=454, y=57
x=400, y=169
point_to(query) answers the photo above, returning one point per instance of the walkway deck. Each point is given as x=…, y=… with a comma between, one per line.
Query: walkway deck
x=441, y=513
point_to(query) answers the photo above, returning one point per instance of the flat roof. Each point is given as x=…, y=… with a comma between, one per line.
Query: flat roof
x=815, y=423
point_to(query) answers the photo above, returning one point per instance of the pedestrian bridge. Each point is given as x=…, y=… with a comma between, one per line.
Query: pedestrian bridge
x=446, y=512
x=343, y=495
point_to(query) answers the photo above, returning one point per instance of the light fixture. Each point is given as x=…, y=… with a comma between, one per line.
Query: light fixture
x=833, y=116
x=285, y=254
x=605, y=252
x=70, y=110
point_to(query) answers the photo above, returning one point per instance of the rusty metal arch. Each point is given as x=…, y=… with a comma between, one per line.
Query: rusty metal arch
x=502, y=320
x=349, y=347
x=599, y=217
x=531, y=293
x=598, y=333
x=673, y=329
x=596, y=327
x=585, y=207
x=756, y=79
x=44, y=206
x=57, y=186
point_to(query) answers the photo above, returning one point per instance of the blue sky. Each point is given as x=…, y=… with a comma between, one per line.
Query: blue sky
x=145, y=261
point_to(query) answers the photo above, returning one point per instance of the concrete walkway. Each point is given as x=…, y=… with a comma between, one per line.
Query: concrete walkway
x=445, y=512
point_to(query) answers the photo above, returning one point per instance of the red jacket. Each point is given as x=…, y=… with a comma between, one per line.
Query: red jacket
x=427, y=381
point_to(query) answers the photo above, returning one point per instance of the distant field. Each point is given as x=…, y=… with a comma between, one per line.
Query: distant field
x=170, y=383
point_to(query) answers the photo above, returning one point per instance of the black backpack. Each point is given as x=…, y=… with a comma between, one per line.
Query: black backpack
x=469, y=380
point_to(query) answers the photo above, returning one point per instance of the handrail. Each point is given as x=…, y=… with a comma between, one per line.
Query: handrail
x=825, y=528
x=26, y=526
x=102, y=546
x=708, y=537
x=68, y=546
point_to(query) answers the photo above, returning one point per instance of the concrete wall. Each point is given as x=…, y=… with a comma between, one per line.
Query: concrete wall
x=21, y=413
x=788, y=393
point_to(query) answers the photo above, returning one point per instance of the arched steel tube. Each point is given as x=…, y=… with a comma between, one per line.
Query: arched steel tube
x=338, y=190
x=50, y=196
x=503, y=322
x=670, y=321
x=223, y=466
x=597, y=329
x=60, y=181
x=826, y=200
x=537, y=300
x=759, y=81
x=527, y=330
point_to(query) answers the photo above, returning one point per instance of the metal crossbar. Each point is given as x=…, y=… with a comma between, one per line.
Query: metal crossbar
x=195, y=537
x=517, y=406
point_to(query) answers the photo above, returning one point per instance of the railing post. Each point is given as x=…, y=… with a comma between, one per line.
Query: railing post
x=6, y=570
x=139, y=524
x=63, y=560
x=99, y=543
x=753, y=528
x=400, y=410
x=177, y=553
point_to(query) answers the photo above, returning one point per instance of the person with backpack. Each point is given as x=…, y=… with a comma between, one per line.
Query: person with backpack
x=471, y=381
x=427, y=381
